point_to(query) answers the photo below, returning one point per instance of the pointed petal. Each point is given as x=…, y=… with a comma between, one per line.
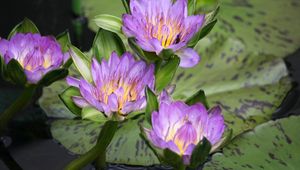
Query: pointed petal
x=188, y=57
x=80, y=101
x=71, y=81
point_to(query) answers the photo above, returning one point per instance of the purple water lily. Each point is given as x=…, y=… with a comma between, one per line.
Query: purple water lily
x=160, y=24
x=118, y=85
x=36, y=54
x=180, y=127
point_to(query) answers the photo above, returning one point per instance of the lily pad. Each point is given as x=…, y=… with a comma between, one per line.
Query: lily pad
x=126, y=147
x=248, y=86
x=51, y=103
x=267, y=26
x=272, y=145
x=78, y=136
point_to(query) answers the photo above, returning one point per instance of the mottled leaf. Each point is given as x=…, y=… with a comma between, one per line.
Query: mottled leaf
x=272, y=145
x=127, y=147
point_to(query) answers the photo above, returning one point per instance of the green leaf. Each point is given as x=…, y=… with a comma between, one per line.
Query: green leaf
x=64, y=40
x=66, y=97
x=53, y=76
x=206, y=29
x=166, y=73
x=272, y=145
x=105, y=43
x=202, y=33
x=109, y=23
x=2, y=67
x=93, y=114
x=200, y=153
x=166, y=53
x=15, y=72
x=51, y=103
x=132, y=44
x=79, y=136
x=82, y=63
x=172, y=158
x=227, y=136
x=152, y=104
x=126, y=6
x=211, y=16
x=204, y=6
x=144, y=55
x=26, y=26
x=198, y=97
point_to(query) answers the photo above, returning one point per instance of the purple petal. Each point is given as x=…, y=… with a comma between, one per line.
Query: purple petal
x=157, y=47
x=67, y=56
x=134, y=106
x=156, y=140
x=96, y=72
x=71, y=81
x=189, y=149
x=80, y=102
x=3, y=46
x=165, y=97
x=159, y=126
x=113, y=102
x=186, y=159
x=215, y=126
x=185, y=136
x=188, y=57
x=114, y=60
x=88, y=93
x=192, y=26
x=34, y=77
x=173, y=147
x=179, y=10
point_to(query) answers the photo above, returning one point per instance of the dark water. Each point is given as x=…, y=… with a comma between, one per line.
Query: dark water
x=27, y=143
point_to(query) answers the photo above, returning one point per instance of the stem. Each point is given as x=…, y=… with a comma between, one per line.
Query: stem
x=98, y=151
x=100, y=162
x=22, y=101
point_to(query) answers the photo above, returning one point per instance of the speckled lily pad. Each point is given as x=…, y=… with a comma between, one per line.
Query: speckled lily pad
x=272, y=145
x=248, y=86
x=126, y=147
x=267, y=26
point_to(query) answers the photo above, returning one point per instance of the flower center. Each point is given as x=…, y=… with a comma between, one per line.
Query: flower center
x=125, y=92
x=167, y=32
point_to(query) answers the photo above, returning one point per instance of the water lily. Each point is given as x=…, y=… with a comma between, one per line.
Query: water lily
x=36, y=54
x=160, y=24
x=118, y=85
x=180, y=127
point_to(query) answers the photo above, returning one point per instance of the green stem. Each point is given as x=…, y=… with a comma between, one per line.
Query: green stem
x=98, y=151
x=22, y=101
x=126, y=6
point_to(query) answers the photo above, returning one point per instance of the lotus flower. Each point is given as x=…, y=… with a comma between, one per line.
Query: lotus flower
x=118, y=85
x=180, y=127
x=160, y=24
x=35, y=53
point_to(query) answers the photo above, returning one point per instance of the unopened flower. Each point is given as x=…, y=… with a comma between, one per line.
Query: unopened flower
x=118, y=85
x=35, y=53
x=180, y=127
x=160, y=24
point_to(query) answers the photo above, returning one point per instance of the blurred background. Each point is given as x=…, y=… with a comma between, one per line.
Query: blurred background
x=54, y=17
